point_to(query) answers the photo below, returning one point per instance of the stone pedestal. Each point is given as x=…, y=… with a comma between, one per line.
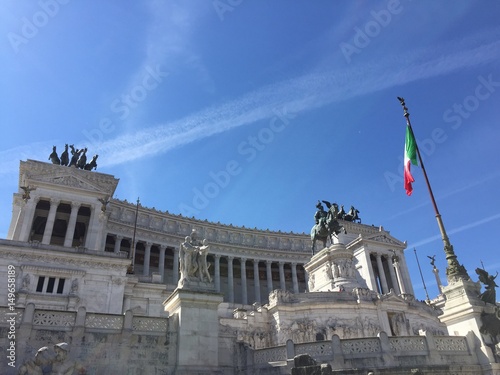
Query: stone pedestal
x=462, y=315
x=332, y=269
x=198, y=330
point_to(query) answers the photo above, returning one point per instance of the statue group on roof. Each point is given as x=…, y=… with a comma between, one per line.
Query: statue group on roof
x=78, y=158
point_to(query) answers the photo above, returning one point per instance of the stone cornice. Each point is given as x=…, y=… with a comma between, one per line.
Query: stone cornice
x=67, y=257
x=52, y=270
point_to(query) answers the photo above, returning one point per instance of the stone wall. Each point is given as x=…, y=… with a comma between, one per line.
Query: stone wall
x=101, y=343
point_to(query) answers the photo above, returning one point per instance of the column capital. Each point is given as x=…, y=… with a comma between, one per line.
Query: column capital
x=75, y=205
x=149, y=244
x=54, y=201
x=243, y=260
x=118, y=237
x=217, y=256
x=269, y=262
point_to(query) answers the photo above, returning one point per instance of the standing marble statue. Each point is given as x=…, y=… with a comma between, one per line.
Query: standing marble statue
x=193, y=263
x=52, y=361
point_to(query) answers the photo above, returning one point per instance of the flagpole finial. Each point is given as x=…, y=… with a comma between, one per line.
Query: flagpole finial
x=405, y=109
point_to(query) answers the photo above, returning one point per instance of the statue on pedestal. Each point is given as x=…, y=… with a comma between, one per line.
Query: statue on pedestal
x=193, y=260
x=326, y=224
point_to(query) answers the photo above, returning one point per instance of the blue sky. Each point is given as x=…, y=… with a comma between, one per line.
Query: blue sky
x=249, y=112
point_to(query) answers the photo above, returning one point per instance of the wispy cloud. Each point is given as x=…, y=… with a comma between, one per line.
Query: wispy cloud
x=445, y=195
x=455, y=230
x=299, y=94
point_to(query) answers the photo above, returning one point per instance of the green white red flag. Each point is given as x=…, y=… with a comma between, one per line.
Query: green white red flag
x=410, y=158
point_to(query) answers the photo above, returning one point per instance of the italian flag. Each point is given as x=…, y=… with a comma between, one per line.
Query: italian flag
x=410, y=158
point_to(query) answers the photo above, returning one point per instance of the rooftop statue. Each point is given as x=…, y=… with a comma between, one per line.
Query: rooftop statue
x=65, y=156
x=326, y=225
x=78, y=158
x=75, y=156
x=352, y=215
x=92, y=164
x=83, y=159
x=53, y=156
x=489, y=295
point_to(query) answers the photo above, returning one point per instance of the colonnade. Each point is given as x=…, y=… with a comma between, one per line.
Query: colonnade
x=394, y=275
x=47, y=211
x=252, y=284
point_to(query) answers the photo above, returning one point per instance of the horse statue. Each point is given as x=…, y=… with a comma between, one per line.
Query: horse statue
x=65, y=156
x=319, y=232
x=92, y=164
x=82, y=161
x=53, y=157
x=341, y=213
x=76, y=155
x=352, y=215
x=334, y=228
x=327, y=225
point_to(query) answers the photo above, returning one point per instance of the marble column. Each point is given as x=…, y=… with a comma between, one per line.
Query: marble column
x=118, y=243
x=294, y=278
x=161, y=262
x=381, y=272
x=393, y=277
x=269, y=276
x=217, y=273
x=147, y=256
x=244, y=293
x=51, y=218
x=175, y=271
x=256, y=280
x=306, y=277
x=438, y=280
x=406, y=275
x=399, y=277
x=70, y=230
x=282, y=275
x=23, y=232
x=230, y=279
x=371, y=272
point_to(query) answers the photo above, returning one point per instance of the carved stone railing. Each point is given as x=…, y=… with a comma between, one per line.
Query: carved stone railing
x=54, y=319
x=145, y=324
x=423, y=351
x=408, y=344
x=104, y=321
x=64, y=321
x=451, y=343
x=270, y=355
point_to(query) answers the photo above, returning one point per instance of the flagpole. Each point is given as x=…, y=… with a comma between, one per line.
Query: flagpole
x=454, y=270
x=421, y=276
x=132, y=252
